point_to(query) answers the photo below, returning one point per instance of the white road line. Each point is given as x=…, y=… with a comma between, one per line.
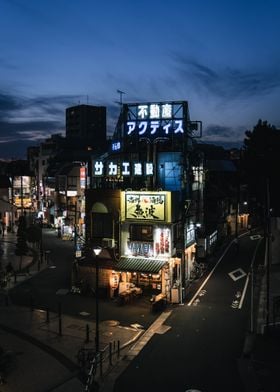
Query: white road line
x=244, y=292
x=209, y=276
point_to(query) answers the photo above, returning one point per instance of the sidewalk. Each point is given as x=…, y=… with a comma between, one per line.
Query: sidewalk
x=260, y=364
x=44, y=347
x=51, y=345
x=24, y=266
x=265, y=356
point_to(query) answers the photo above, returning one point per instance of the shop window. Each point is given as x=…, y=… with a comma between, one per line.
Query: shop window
x=141, y=233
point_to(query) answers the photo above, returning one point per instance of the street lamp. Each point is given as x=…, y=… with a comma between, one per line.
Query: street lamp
x=96, y=251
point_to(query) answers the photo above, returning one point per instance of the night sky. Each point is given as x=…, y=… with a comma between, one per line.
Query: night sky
x=221, y=56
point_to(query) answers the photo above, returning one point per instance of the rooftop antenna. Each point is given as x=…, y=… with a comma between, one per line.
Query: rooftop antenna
x=121, y=94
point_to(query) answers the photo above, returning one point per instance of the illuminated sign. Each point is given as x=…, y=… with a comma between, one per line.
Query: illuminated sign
x=116, y=146
x=189, y=235
x=113, y=169
x=83, y=177
x=156, y=119
x=144, y=206
x=23, y=202
x=162, y=243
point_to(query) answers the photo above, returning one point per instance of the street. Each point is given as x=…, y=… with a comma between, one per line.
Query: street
x=203, y=347
x=200, y=345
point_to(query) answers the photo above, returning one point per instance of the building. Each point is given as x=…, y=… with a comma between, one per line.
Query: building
x=86, y=124
x=149, y=229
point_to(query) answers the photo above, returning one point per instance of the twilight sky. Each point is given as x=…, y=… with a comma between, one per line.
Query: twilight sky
x=222, y=56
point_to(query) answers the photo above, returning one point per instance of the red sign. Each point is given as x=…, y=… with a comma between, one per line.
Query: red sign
x=83, y=177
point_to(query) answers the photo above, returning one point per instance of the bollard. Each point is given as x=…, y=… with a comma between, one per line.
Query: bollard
x=114, y=345
x=47, y=315
x=87, y=333
x=110, y=353
x=118, y=348
x=6, y=300
x=47, y=256
x=15, y=278
x=59, y=310
x=31, y=304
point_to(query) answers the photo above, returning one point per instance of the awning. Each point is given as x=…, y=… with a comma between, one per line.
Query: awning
x=135, y=264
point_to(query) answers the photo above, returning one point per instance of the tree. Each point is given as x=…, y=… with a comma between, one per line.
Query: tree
x=261, y=161
x=34, y=233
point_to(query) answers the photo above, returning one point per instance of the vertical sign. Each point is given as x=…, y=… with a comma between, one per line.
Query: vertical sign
x=83, y=177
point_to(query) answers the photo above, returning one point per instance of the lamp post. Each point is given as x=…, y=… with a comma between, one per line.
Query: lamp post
x=96, y=251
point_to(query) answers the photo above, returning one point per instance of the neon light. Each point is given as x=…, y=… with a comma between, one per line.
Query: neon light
x=113, y=169
x=153, y=127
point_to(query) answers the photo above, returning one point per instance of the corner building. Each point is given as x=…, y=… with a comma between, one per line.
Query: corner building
x=148, y=232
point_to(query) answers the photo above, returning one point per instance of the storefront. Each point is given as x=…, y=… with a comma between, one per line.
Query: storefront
x=190, y=250
x=146, y=244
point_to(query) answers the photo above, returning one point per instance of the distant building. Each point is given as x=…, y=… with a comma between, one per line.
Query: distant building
x=87, y=123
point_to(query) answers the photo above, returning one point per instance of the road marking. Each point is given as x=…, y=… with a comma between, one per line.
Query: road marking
x=209, y=276
x=137, y=326
x=237, y=274
x=255, y=237
x=235, y=304
x=84, y=313
x=244, y=292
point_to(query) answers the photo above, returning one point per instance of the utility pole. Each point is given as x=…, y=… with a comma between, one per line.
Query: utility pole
x=21, y=195
x=237, y=205
x=267, y=261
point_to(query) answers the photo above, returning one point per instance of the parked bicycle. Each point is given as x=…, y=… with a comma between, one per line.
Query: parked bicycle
x=198, y=270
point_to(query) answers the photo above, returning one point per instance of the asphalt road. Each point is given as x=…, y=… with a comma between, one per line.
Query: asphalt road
x=202, y=349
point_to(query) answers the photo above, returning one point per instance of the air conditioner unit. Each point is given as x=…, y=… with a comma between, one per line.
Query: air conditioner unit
x=108, y=242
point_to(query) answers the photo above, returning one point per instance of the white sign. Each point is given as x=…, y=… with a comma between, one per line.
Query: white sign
x=153, y=127
x=113, y=169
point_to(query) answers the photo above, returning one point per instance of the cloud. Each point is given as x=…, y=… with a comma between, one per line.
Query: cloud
x=29, y=120
x=227, y=82
x=224, y=135
x=8, y=104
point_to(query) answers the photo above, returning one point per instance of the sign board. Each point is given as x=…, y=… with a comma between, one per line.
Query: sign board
x=145, y=206
x=83, y=177
x=118, y=169
x=156, y=119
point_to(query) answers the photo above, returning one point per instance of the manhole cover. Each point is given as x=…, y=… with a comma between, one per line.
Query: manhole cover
x=111, y=323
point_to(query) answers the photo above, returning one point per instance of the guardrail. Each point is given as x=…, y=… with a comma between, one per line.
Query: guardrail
x=90, y=362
